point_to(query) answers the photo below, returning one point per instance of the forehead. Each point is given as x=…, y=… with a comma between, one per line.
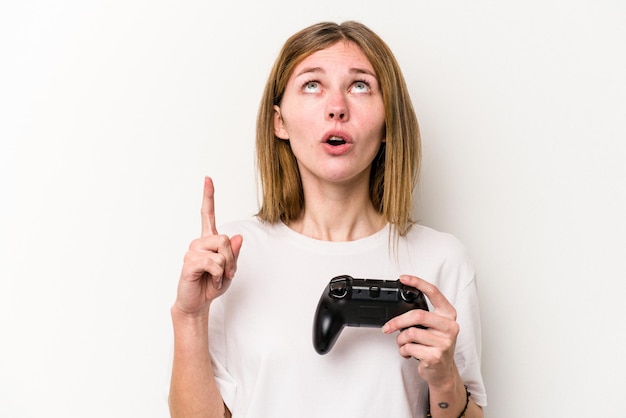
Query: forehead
x=346, y=55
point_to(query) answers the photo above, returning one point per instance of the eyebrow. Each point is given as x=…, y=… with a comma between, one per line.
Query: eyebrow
x=353, y=70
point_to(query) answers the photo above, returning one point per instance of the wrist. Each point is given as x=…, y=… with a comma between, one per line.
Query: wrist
x=463, y=411
x=191, y=333
x=179, y=312
x=189, y=320
x=448, y=399
x=446, y=385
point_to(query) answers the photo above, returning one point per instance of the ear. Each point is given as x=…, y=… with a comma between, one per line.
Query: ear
x=279, y=125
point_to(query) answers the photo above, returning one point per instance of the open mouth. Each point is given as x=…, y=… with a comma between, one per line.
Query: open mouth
x=335, y=141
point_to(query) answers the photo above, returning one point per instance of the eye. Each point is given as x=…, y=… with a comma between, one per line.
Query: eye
x=360, y=87
x=311, y=87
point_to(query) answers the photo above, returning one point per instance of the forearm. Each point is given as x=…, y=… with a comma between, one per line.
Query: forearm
x=193, y=390
x=448, y=400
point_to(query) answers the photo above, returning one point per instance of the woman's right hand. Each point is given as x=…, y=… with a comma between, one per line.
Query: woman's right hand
x=209, y=264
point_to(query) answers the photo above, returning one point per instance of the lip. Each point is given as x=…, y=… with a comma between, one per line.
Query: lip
x=337, y=149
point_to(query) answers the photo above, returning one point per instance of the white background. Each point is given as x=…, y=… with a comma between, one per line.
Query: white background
x=111, y=113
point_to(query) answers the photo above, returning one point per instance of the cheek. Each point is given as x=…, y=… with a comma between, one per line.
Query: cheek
x=297, y=113
x=378, y=124
x=381, y=131
x=301, y=124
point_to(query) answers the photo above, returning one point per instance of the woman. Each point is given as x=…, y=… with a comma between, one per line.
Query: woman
x=338, y=155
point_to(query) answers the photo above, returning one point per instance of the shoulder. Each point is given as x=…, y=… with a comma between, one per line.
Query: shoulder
x=441, y=257
x=425, y=238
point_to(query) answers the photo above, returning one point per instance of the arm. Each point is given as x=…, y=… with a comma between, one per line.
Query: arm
x=193, y=390
x=434, y=347
x=208, y=268
x=448, y=400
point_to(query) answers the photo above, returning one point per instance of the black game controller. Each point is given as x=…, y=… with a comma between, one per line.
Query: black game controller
x=360, y=303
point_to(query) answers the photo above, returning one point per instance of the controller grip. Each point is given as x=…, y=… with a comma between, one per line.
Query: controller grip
x=327, y=328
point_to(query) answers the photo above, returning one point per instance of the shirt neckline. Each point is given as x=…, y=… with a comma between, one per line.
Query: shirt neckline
x=370, y=241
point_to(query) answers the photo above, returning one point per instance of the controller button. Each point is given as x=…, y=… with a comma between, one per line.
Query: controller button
x=338, y=288
x=374, y=291
x=407, y=294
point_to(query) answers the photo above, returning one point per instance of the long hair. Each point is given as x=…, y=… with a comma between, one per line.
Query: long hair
x=395, y=168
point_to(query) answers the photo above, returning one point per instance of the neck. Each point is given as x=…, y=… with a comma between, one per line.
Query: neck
x=338, y=214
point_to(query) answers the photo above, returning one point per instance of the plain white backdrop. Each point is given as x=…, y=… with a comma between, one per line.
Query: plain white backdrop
x=111, y=113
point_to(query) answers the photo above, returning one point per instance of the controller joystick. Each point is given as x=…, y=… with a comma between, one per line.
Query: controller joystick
x=348, y=301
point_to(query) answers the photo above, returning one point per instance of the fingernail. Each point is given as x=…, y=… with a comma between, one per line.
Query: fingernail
x=218, y=285
x=386, y=328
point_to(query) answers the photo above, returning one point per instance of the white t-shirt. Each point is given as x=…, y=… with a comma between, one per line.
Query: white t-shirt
x=261, y=328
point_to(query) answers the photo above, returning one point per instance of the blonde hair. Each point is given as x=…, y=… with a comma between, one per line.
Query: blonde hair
x=394, y=170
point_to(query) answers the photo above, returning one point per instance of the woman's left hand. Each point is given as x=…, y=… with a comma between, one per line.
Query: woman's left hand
x=434, y=346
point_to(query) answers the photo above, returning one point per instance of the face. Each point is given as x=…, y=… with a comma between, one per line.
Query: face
x=332, y=113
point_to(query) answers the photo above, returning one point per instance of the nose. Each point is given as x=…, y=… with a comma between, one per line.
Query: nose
x=337, y=107
x=338, y=115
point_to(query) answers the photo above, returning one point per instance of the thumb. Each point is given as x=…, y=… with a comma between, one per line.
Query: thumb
x=235, y=244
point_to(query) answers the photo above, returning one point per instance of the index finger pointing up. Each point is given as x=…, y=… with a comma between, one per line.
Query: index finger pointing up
x=207, y=212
